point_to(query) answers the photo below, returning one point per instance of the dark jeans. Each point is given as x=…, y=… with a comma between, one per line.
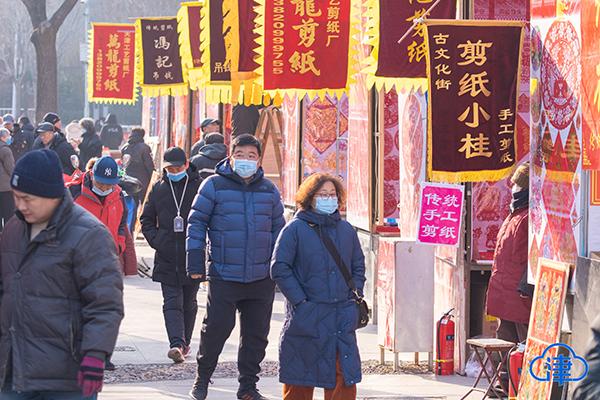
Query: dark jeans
x=254, y=301
x=7, y=208
x=180, y=307
x=10, y=395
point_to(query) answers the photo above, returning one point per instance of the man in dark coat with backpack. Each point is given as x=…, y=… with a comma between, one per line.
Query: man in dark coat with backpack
x=164, y=223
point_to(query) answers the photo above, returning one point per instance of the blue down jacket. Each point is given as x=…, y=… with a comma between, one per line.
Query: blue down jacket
x=322, y=327
x=242, y=221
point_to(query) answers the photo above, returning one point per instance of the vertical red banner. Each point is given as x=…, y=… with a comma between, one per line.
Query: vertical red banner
x=590, y=83
x=111, y=71
x=302, y=38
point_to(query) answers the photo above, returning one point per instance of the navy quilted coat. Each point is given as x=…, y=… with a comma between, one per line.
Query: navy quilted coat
x=242, y=222
x=322, y=327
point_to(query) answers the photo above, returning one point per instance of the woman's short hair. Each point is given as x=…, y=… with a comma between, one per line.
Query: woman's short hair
x=314, y=183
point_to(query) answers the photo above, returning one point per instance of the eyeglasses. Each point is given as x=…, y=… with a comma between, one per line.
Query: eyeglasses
x=326, y=196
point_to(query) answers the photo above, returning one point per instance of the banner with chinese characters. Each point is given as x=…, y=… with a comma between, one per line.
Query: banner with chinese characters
x=111, y=68
x=590, y=83
x=188, y=25
x=241, y=45
x=159, y=64
x=307, y=46
x=474, y=74
x=216, y=69
x=440, y=215
x=401, y=64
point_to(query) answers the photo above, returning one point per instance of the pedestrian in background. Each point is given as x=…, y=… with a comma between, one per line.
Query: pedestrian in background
x=164, y=223
x=508, y=299
x=212, y=153
x=7, y=164
x=140, y=165
x=318, y=345
x=62, y=292
x=57, y=142
x=111, y=134
x=23, y=139
x=90, y=145
x=208, y=125
x=241, y=213
x=73, y=132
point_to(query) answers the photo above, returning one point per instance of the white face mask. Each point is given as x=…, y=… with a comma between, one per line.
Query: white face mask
x=102, y=193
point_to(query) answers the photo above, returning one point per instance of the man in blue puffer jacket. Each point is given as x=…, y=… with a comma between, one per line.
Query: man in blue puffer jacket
x=241, y=212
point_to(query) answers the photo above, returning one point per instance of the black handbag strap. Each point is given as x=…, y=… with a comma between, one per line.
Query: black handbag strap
x=330, y=246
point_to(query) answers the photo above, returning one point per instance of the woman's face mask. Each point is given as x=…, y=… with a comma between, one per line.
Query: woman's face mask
x=326, y=205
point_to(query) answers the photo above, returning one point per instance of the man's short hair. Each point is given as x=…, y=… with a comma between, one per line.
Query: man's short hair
x=213, y=138
x=246, y=139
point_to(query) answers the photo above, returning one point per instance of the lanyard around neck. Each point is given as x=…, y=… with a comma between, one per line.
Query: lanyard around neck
x=178, y=205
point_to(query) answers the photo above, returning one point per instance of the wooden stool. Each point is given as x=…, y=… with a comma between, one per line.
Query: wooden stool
x=489, y=346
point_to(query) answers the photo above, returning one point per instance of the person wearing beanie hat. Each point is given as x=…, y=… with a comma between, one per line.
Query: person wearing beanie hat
x=509, y=295
x=7, y=164
x=65, y=302
x=101, y=195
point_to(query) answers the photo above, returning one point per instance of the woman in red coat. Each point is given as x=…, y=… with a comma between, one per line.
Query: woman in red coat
x=505, y=297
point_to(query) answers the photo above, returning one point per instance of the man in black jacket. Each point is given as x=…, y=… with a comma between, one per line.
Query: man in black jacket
x=61, y=290
x=111, y=133
x=210, y=155
x=57, y=142
x=164, y=223
x=23, y=138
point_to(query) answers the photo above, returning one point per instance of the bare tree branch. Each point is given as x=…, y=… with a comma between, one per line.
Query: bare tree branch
x=59, y=15
x=37, y=12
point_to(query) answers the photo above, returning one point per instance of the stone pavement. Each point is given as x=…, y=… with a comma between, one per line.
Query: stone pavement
x=143, y=340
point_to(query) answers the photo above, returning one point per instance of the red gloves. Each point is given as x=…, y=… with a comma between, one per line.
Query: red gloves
x=91, y=375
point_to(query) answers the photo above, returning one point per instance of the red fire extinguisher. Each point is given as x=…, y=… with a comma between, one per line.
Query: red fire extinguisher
x=515, y=366
x=445, y=345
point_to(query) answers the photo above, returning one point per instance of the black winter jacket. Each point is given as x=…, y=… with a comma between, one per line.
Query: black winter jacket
x=111, y=134
x=589, y=387
x=208, y=157
x=23, y=141
x=90, y=147
x=64, y=150
x=141, y=165
x=157, y=227
x=61, y=299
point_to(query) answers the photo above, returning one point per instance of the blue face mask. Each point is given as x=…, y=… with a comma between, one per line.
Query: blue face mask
x=176, y=177
x=102, y=193
x=326, y=205
x=9, y=140
x=245, y=168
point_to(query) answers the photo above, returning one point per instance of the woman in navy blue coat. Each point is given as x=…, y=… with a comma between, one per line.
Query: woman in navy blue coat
x=318, y=345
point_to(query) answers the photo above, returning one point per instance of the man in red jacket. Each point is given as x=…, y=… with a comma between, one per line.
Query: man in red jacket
x=101, y=195
x=507, y=298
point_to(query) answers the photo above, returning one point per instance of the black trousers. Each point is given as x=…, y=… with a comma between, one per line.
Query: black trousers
x=7, y=208
x=180, y=308
x=254, y=301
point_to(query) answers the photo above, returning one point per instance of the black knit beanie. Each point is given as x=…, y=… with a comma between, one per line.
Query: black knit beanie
x=39, y=173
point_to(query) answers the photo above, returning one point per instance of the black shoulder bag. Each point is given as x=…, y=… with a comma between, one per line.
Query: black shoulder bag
x=362, y=308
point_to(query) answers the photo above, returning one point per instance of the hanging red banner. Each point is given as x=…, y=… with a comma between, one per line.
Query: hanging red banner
x=474, y=73
x=590, y=83
x=111, y=67
x=307, y=46
x=161, y=69
x=393, y=62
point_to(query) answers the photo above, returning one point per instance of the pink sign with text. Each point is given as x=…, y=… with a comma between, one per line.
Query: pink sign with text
x=440, y=215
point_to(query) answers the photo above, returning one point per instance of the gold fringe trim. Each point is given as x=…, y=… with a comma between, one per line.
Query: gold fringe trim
x=185, y=46
x=92, y=66
x=149, y=90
